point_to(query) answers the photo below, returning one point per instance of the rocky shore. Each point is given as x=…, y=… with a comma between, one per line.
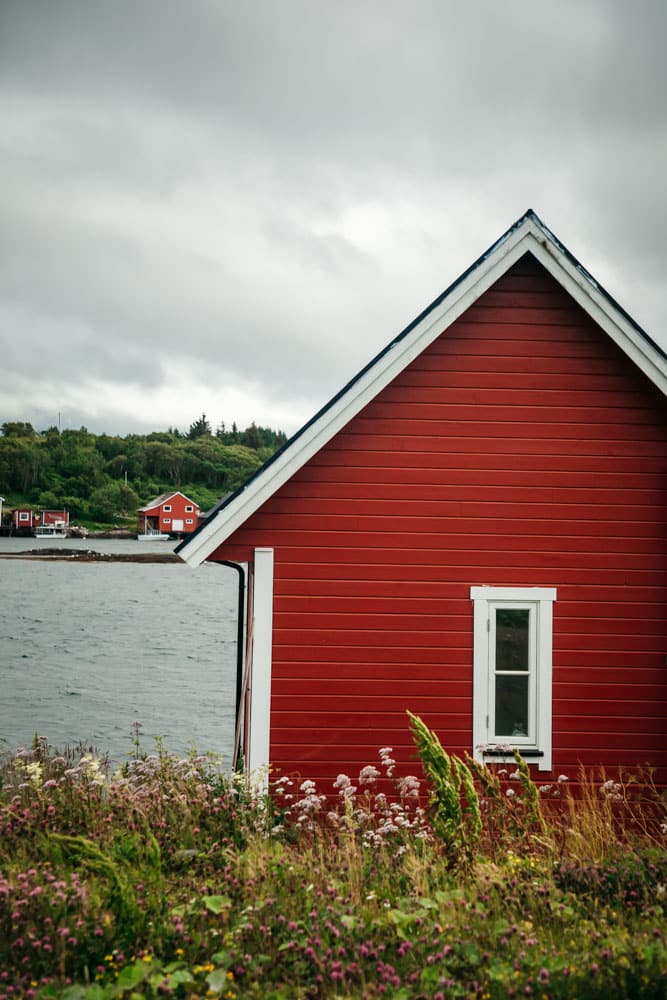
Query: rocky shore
x=89, y=555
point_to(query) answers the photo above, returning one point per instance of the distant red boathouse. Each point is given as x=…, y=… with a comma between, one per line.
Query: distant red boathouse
x=24, y=517
x=474, y=529
x=54, y=518
x=169, y=514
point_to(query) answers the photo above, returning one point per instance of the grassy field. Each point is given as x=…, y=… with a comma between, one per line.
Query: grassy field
x=169, y=879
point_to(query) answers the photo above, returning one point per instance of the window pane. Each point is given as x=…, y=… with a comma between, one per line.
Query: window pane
x=511, y=705
x=512, y=638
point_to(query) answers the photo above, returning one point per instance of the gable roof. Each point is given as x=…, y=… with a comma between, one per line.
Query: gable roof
x=527, y=235
x=163, y=499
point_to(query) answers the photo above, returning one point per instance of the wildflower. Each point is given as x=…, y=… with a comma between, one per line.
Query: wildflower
x=510, y=793
x=409, y=786
x=562, y=778
x=346, y=789
x=611, y=790
x=387, y=760
x=34, y=771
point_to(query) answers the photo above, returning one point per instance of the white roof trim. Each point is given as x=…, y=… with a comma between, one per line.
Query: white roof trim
x=529, y=235
x=165, y=498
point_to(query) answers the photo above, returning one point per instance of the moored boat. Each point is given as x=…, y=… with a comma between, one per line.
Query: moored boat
x=153, y=535
x=56, y=530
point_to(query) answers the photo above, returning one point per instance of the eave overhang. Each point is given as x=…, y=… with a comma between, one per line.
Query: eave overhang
x=527, y=235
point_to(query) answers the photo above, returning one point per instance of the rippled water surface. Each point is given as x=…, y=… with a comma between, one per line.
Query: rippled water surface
x=88, y=648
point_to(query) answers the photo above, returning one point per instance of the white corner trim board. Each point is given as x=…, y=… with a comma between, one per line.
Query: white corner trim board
x=262, y=646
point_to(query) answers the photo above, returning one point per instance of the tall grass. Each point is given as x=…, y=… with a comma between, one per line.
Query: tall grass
x=171, y=878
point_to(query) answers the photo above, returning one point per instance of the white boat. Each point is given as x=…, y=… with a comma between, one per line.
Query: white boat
x=56, y=530
x=153, y=535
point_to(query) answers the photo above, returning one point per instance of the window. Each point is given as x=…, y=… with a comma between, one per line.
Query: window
x=188, y=520
x=512, y=673
x=166, y=520
x=167, y=507
x=188, y=509
x=23, y=516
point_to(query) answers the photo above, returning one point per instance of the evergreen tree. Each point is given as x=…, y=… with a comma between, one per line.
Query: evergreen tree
x=199, y=428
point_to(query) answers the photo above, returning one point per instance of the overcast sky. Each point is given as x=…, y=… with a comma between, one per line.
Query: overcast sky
x=229, y=207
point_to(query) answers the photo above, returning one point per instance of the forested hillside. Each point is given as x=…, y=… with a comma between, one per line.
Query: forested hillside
x=103, y=479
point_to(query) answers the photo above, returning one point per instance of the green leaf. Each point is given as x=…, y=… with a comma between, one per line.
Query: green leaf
x=431, y=976
x=349, y=921
x=157, y=978
x=180, y=976
x=216, y=904
x=132, y=975
x=403, y=922
x=97, y=992
x=172, y=966
x=217, y=980
x=74, y=993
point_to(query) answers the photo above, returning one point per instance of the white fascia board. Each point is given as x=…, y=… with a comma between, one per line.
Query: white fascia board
x=529, y=236
x=586, y=293
x=164, y=500
x=362, y=391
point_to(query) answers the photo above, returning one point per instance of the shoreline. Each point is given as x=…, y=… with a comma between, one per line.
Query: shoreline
x=90, y=555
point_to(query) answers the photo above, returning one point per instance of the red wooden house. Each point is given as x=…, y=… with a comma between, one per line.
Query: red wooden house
x=23, y=517
x=169, y=514
x=472, y=529
x=54, y=518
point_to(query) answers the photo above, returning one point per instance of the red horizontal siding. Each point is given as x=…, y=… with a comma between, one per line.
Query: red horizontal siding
x=470, y=486
x=521, y=449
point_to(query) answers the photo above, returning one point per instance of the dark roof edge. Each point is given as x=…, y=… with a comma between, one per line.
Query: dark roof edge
x=529, y=214
x=593, y=282
x=230, y=497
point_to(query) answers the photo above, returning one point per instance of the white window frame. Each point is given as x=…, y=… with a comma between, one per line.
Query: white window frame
x=166, y=508
x=189, y=508
x=188, y=520
x=166, y=520
x=24, y=516
x=536, y=746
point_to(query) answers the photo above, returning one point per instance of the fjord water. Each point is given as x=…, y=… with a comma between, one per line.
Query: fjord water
x=88, y=648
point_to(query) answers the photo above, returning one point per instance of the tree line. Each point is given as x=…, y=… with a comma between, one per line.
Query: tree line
x=104, y=478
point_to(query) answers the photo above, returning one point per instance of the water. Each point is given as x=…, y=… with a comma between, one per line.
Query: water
x=87, y=649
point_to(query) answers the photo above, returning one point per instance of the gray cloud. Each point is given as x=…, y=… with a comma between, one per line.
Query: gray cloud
x=220, y=205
